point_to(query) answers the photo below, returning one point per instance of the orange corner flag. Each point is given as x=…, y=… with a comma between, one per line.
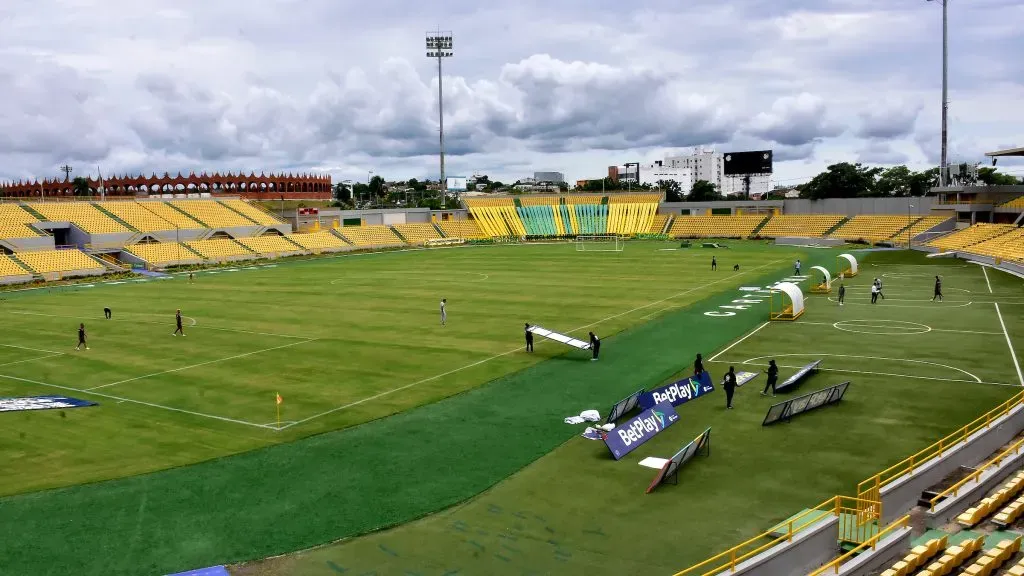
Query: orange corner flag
x=279, y=399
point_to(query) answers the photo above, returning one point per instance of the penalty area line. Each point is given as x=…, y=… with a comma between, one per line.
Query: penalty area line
x=33, y=359
x=121, y=399
x=1013, y=354
x=841, y=370
x=518, y=349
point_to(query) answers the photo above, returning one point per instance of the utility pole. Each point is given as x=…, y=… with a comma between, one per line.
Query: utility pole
x=945, y=89
x=67, y=170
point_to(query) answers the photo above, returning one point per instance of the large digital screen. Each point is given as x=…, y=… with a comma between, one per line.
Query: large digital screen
x=806, y=403
x=743, y=163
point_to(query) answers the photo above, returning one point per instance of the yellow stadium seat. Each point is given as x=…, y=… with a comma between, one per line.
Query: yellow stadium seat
x=220, y=249
x=318, y=241
x=212, y=213
x=10, y=267
x=163, y=253
x=658, y=224
x=14, y=222
x=466, y=229
x=253, y=212
x=175, y=217
x=59, y=261
x=800, y=225
x=417, y=233
x=1017, y=202
x=82, y=214
x=269, y=245
x=872, y=228
x=371, y=236
x=137, y=216
x=726, y=226
x=962, y=239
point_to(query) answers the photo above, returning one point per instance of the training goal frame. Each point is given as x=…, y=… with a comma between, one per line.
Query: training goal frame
x=599, y=243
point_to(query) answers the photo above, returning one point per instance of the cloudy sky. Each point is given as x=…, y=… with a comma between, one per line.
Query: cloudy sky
x=569, y=85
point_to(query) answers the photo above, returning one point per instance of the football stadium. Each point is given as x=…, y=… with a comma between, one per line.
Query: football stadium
x=581, y=383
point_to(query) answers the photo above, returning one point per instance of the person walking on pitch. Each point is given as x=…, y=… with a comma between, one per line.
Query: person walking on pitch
x=595, y=346
x=529, y=339
x=444, y=313
x=714, y=264
x=107, y=313
x=698, y=366
x=189, y=277
x=729, y=384
x=81, y=338
x=177, y=321
x=842, y=294
x=796, y=266
x=773, y=377
x=874, y=293
x=879, y=284
x=938, y=289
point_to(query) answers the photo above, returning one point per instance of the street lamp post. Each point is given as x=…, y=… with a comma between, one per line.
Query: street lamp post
x=439, y=45
x=945, y=87
x=909, y=225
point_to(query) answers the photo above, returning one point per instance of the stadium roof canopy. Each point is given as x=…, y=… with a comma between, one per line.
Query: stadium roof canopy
x=1007, y=152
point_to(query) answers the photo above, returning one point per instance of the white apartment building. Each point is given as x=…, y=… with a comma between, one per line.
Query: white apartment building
x=706, y=164
x=651, y=174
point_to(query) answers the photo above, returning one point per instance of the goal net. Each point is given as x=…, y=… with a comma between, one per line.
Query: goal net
x=598, y=244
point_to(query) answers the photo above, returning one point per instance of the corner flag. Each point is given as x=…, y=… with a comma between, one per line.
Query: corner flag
x=279, y=399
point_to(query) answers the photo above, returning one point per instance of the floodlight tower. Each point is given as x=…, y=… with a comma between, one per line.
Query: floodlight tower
x=439, y=45
x=945, y=86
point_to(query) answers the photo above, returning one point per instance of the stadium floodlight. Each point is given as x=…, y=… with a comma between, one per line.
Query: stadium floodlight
x=945, y=86
x=439, y=45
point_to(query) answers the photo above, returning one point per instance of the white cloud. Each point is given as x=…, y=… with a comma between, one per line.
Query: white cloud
x=572, y=86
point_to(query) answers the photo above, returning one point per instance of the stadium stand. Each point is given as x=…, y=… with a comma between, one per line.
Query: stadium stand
x=590, y=218
x=82, y=214
x=376, y=235
x=658, y=224
x=499, y=221
x=270, y=244
x=136, y=216
x=975, y=234
x=14, y=222
x=177, y=218
x=990, y=504
x=953, y=557
x=318, y=241
x=59, y=261
x=715, y=226
x=629, y=218
x=634, y=199
x=921, y=226
x=539, y=220
x=1017, y=202
x=540, y=200
x=1009, y=246
x=581, y=199
x=467, y=229
x=219, y=249
x=872, y=228
x=918, y=557
x=417, y=233
x=162, y=253
x=993, y=558
x=212, y=213
x=252, y=212
x=567, y=215
x=488, y=202
x=803, y=225
x=10, y=267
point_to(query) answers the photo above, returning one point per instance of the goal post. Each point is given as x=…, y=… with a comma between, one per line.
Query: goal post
x=599, y=243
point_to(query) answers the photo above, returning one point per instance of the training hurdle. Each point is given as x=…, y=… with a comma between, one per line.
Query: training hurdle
x=847, y=265
x=795, y=380
x=567, y=340
x=784, y=311
x=825, y=286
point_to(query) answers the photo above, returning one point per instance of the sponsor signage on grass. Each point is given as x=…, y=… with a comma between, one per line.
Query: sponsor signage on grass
x=671, y=468
x=625, y=438
x=744, y=377
x=41, y=403
x=678, y=392
x=806, y=403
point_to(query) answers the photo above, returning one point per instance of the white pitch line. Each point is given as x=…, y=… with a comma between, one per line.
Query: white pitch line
x=1013, y=354
x=891, y=326
x=516, y=349
x=136, y=321
x=32, y=349
x=984, y=271
x=841, y=370
x=199, y=364
x=883, y=305
x=140, y=402
x=868, y=358
x=55, y=354
x=734, y=344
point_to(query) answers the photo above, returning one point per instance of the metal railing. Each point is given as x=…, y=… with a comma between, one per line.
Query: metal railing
x=871, y=543
x=975, y=476
x=851, y=529
x=870, y=488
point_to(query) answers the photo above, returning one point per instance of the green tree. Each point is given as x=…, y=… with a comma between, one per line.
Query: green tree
x=703, y=191
x=360, y=191
x=80, y=186
x=673, y=192
x=895, y=181
x=416, y=185
x=842, y=180
x=563, y=187
x=342, y=192
x=988, y=176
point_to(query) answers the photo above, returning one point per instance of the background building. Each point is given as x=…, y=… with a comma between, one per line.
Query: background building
x=706, y=164
x=651, y=174
x=553, y=177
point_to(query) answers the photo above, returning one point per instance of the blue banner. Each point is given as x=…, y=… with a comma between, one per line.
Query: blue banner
x=678, y=392
x=41, y=403
x=625, y=437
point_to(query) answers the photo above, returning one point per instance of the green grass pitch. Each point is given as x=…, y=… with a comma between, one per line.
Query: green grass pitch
x=351, y=340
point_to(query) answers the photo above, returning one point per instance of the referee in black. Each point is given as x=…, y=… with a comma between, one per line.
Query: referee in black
x=529, y=338
x=595, y=345
x=729, y=383
x=773, y=377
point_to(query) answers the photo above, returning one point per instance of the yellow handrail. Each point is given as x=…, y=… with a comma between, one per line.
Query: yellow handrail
x=938, y=449
x=976, y=475
x=870, y=543
x=729, y=559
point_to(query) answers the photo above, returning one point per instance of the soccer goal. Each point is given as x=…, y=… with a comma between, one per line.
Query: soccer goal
x=609, y=243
